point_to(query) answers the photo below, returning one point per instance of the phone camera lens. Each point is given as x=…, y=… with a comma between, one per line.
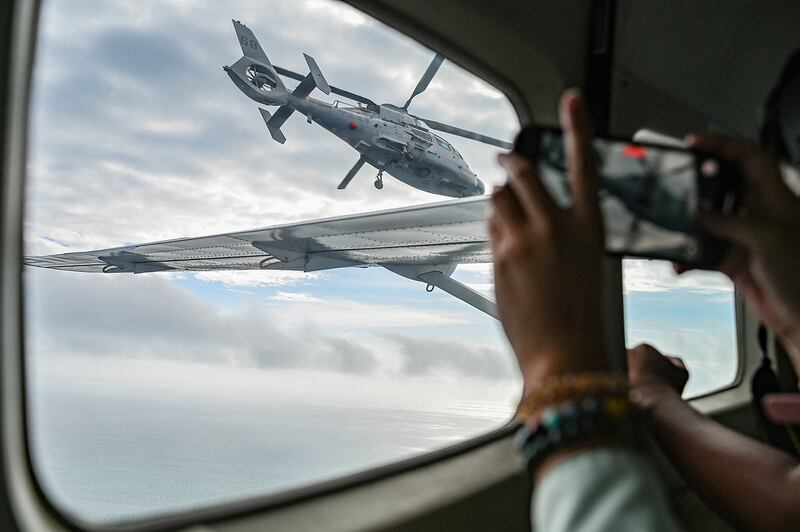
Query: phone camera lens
x=709, y=168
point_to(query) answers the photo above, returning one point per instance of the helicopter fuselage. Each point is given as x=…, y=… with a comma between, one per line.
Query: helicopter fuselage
x=394, y=142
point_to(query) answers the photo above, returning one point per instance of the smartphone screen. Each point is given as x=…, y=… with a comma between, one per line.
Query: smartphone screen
x=649, y=196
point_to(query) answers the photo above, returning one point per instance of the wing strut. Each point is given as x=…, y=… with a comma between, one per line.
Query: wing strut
x=461, y=291
x=439, y=276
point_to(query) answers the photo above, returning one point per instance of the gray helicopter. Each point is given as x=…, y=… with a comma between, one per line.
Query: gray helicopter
x=386, y=136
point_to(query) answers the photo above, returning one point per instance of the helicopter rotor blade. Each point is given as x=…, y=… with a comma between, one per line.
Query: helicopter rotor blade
x=336, y=90
x=439, y=126
x=426, y=78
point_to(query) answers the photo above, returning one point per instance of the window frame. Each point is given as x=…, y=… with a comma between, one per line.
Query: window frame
x=740, y=366
x=748, y=359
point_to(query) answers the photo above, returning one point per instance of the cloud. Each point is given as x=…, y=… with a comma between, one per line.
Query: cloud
x=479, y=277
x=347, y=313
x=260, y=278
x=157, y=143
x=138, y=135
x=425, y=356
x=296, y=297
x=339, y=12
x=658, y=276
x=151, y=317
x=486, y=269
x=348, y=356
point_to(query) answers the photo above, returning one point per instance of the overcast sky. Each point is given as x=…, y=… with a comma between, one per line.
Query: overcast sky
x=138, y=135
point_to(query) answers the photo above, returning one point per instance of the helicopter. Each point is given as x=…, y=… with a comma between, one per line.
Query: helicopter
x=386, y=136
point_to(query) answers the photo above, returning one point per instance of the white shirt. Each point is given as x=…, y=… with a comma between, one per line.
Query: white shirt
x=602, y=489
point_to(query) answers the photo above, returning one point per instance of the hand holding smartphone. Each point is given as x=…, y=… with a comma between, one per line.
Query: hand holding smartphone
x=649, y=194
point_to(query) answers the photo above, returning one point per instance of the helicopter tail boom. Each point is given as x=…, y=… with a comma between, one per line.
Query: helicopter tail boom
x=253, y=74
x=313, y=80
x=257, y=78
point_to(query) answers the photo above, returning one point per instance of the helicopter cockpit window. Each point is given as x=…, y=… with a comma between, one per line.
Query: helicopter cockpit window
x=444, y=144
x=422, y=133
x=210, y=375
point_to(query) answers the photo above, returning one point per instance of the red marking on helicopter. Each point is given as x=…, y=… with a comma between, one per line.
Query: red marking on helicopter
x=353, y=124
x=634, y=152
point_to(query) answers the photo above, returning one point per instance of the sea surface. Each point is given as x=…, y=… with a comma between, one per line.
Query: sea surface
x=107, y=455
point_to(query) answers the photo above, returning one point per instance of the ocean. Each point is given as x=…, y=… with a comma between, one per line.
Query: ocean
x=107, y=454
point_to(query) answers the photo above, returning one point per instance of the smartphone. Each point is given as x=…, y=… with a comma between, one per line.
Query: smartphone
x=649, y=194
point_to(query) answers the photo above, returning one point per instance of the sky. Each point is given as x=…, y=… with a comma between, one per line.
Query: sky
x=138, y=135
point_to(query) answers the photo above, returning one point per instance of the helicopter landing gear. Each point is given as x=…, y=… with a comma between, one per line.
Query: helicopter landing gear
x=379, y=180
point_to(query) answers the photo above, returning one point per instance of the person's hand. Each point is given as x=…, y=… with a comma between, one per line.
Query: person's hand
x=654, y=375
x=765, y=261
x=548, y=260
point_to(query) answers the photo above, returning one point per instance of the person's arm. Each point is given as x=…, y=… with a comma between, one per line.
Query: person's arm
x=752, y=485
x=549, y=286
x=764, y=260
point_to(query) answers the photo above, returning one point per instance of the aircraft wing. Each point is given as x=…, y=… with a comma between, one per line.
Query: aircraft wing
x=423, y=243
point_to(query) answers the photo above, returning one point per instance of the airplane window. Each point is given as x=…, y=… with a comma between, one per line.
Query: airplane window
x=691, y=316
x=249, y=362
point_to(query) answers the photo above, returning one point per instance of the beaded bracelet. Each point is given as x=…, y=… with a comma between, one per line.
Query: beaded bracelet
x=572, y=421
x=558, y=389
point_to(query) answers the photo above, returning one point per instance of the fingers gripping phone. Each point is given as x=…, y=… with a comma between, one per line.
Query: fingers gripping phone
x=649, y=194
